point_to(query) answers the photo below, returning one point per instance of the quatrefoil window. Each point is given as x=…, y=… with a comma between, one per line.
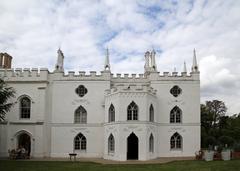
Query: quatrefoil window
x=81, y=90
x=176, y=91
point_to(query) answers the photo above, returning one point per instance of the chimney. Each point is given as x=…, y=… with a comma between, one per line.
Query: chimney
x=5, y=61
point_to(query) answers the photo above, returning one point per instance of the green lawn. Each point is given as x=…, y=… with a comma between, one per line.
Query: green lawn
x=10, y=165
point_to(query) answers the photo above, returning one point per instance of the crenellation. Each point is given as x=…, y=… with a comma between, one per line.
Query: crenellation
x=184, y=74
x=27, y=72
x=82, y=73
x=71, y=74
x=165, y=74
x=174, y=74
x=93, y=73
x=141, y=76
x=126, y=75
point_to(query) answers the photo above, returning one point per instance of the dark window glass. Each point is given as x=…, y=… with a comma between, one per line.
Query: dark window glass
x=176, y=91
x=25, y=108
x=132, y=111
x=81, y=90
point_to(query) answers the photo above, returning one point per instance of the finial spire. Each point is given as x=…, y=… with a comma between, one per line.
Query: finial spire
x=107, y=64
x=59, y=64
x=154, y=66
x=184, y=67
x=174, y=69
x=194, y=66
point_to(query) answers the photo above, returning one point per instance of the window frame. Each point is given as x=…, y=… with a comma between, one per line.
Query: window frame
x=28, y=108
x=111, y=144
x=176, y=142
x=111, y=113
x=175, y=115
x=151, y=143
x=80, y=115
x=81, y=143
x=81, y=90
x=132, y=111
x=151, y=113
x=176, y=91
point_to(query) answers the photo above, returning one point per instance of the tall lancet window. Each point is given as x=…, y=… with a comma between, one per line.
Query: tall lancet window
x=132, y=111
x=80, y=115
x=176, y=115
x=151, y=144
x=151, y=113
x=176, y=141
x=111, y=113
x=111, y=144
x=80, y=142
x=25, y=108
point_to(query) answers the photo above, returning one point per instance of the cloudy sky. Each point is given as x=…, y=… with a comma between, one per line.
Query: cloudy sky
x=32, y=31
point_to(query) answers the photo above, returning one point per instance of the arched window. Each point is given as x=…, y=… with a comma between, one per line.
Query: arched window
x=111, y=144
x=25, y=107
x=80, y=115
x=132, y=111
x=176, y=115
x=151, y=144
x=151, y=113
x=176, y=141
x=111, y=113
x=80, y=142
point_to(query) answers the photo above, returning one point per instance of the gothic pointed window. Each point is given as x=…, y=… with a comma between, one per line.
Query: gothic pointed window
x=80, y=142
x=176, y=141
x=151, y=144
x=81, y=90
x=176, y=91
x=151, y=113
x=80, y=115
x=176, y=115
x=111, y=144
x=132, y=111
x=25, y=108
x=111, y=113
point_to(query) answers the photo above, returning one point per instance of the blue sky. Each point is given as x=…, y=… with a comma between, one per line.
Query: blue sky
x=32, y=31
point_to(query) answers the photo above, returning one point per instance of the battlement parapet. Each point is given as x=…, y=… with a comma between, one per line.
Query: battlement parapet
x=42, y=74
x=24, y=74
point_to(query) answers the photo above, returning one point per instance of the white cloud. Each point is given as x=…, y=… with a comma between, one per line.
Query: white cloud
x=31, y=31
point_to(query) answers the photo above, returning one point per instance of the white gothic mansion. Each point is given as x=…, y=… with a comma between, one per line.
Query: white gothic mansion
x=117, y=117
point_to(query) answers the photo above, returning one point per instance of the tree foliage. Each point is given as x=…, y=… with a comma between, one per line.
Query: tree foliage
x=6, y=93
x=216, y=128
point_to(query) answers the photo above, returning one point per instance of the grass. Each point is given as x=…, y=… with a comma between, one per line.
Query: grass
x=11, y=165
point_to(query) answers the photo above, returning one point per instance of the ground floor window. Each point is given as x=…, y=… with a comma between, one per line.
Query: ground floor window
x=80, y=142
x=151, y=144
x=176, y=141
x=111, y=144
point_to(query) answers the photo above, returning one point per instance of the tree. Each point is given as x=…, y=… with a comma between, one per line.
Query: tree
x=216, y=109
x=6, y=93
x=212, y=120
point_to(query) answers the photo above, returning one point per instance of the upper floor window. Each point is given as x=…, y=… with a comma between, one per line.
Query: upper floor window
x=111, y=113
x=151, y=113
x=81, y=90
x=151, y=144
x=25, y=108
x=80, y=115
x=176, y=141
x=80, y=142
x=176, y=115
x=132, y=111
x=176, y=91
x=111, y=144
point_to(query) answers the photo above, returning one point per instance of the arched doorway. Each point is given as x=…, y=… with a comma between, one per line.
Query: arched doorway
x=24, y=140
x=132, y=147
